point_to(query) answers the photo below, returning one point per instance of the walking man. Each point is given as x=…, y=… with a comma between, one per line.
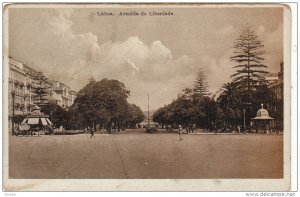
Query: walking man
x=179, y=132
x=92, y=133
x=238, y=128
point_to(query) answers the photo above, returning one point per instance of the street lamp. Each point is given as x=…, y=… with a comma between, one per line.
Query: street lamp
x=13, y=112
x=26, y=95
x=244, y=114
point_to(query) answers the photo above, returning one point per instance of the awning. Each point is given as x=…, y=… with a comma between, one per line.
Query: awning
x=44, y=122
x=25, y=121
x=33, y=121
x=49, y=122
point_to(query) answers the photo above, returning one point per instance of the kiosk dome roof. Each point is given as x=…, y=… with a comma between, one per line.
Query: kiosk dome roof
x=262, y=114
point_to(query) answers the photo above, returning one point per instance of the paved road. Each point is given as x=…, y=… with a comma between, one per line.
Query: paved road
x=136, y=154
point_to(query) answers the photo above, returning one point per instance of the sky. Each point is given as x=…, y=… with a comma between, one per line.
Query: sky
x=156, y=55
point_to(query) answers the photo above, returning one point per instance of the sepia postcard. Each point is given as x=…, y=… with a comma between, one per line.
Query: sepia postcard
x=146, y=97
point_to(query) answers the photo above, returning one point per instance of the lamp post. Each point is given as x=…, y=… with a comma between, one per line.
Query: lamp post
x=244, y=114
x=26, y=95
x=13, y=112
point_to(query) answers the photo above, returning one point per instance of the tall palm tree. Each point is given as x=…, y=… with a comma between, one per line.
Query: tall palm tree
x=230, y=101
x=229, y=96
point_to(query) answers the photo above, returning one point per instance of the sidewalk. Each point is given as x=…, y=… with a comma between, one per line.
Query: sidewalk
x=232, y=133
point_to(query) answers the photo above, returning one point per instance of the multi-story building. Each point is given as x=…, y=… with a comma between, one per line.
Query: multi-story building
x=29, y=81
x=20, y=96
x=17, y=88
x=22, y=82
x=63, y=94
x=72, y=96
x=275, y=84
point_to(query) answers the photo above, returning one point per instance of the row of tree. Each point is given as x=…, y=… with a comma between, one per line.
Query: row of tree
x=237, y=101
x=99, y=105
x=189, y=111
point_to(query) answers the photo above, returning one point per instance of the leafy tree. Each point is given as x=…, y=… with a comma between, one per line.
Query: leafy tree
x=17, y=119
x=163, y=115
x=73, y=119
x=135, y=115
x=182, y=110
x=56, y=114
x=187, y=111
x=188, y=92
x=103, y=102
x=248, y=58
x=267, y=99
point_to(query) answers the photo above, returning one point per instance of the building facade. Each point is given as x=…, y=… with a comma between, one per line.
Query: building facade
x=275, y=84
x=63, y=94
x=17, y=88
x=21, y=97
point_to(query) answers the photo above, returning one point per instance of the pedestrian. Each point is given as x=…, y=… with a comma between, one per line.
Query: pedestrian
x=92, y=133
x=194, y=128
x=179, y=132
x=238, y=128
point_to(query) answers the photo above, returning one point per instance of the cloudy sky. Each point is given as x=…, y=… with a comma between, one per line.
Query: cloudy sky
x=158, y=55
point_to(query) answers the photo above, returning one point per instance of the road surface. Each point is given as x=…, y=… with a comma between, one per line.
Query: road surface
x=136, y=154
